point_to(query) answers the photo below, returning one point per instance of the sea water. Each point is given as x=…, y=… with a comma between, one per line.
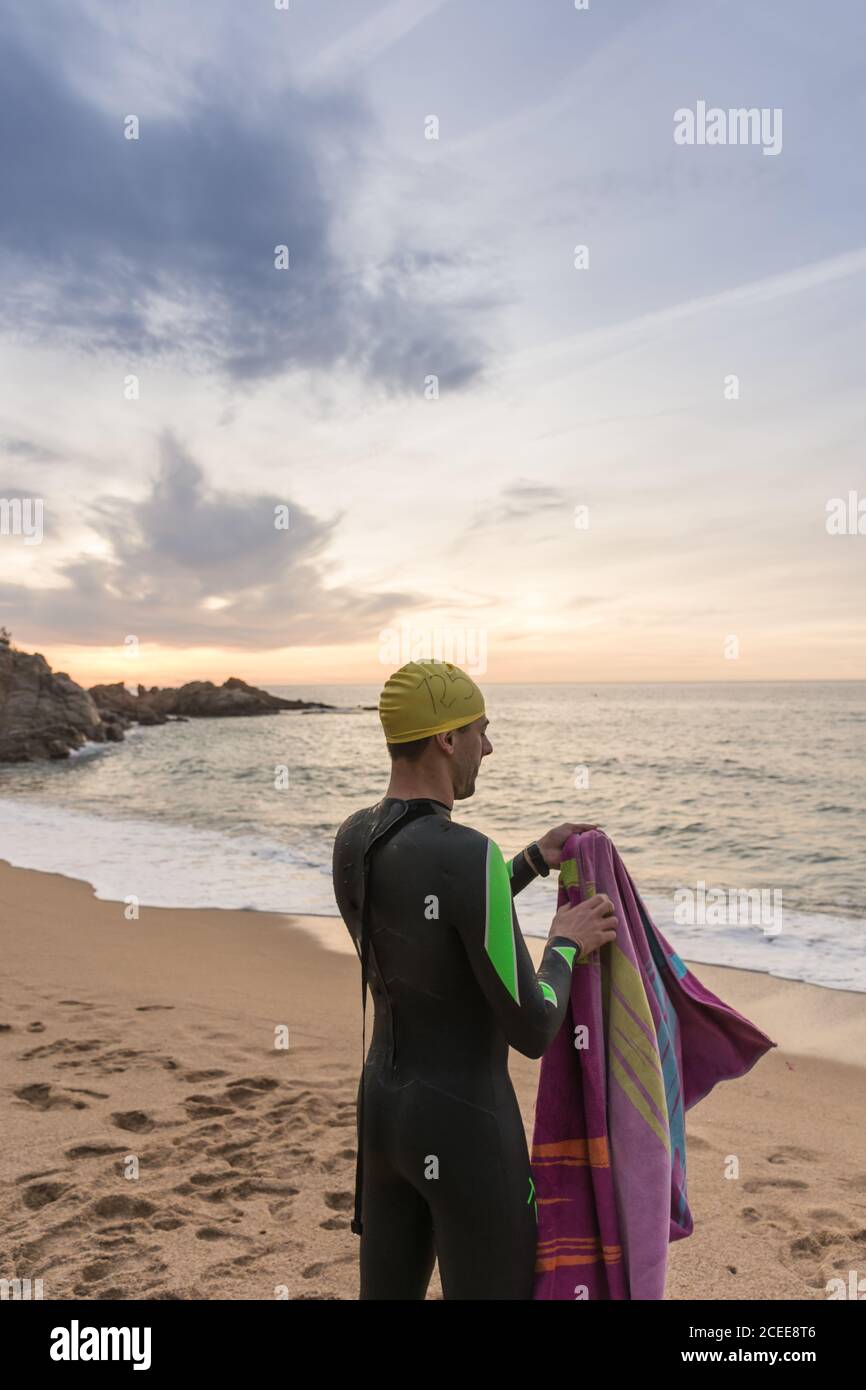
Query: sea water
x=742, y=788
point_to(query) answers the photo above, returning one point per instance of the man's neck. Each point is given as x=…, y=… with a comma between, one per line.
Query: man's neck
x=410, y=784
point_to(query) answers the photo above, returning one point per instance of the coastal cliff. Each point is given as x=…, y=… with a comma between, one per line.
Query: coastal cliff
x=43, y=713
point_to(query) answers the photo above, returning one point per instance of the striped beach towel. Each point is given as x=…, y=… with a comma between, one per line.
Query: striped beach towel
x=643, y=1041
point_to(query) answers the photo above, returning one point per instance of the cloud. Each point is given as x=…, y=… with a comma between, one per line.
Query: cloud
x=522, y=502
x=164, y=246
x=185, y=545
x=363, y=43
x=651, y=326
x=26, y=450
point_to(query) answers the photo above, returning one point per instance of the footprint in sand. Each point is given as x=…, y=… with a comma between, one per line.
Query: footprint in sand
x=42, y=1096
x=772, y=1215
x=136, y=1121
x=98, y=1055
x=211, y=1187
x=824, y=1254
x=132, y=1207
x=202, y=1107
x=94, y=1150
x=256, y=1187
x=303, y=1158
x=240, y=1130
x=235, y=1152
x=63, y=1046
x=339, y=1201
x=314, y=1270
x=338, y=1160
x=152, y=1008
x=241, y=1094
x=789, y=1153
x=248, y=1090
x=759, y=1184
x=42, y=1193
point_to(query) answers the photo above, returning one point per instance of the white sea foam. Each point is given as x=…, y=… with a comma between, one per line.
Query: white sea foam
x=160, y=864
x=163, y=865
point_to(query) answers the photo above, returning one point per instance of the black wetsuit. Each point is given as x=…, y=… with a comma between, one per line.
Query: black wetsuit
x=443, y=1166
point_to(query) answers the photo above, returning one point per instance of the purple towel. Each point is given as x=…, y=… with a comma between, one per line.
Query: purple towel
x=642, y=1042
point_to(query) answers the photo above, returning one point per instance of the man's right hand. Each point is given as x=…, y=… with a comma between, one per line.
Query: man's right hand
x=589, y=924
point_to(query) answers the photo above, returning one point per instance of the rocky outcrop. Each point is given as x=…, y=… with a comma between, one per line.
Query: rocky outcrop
x=115, y=701
x=204, y=700
x=44, y=714
x=195, y=700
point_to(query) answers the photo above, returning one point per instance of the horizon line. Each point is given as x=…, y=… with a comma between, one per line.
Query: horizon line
x=746, y=680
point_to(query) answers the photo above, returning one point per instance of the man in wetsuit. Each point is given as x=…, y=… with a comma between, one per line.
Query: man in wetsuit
x=443, y=1166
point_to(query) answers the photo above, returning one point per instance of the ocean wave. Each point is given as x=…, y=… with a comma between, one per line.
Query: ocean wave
x=88, y=750
x=160, y=864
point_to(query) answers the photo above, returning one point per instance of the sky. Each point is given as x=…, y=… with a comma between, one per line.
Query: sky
x=431, y=424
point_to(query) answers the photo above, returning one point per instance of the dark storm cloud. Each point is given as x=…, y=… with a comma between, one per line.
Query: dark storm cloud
x=100, y=234
x=184, y=543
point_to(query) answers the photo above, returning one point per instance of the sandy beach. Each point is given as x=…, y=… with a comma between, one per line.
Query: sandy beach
x=157, y=1144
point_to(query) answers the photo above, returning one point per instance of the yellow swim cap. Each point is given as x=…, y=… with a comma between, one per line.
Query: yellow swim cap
x=427, y=697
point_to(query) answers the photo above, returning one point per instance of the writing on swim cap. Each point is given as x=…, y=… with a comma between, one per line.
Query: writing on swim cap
x=427, y=697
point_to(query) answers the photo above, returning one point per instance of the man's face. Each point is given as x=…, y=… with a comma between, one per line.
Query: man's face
x=471, y=744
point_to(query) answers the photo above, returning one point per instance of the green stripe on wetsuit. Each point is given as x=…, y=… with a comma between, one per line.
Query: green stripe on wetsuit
x=498, y=927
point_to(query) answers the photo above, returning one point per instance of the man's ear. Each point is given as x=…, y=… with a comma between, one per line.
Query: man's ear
x=446, y=741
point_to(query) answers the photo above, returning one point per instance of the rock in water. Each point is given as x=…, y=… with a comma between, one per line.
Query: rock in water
x=43, y=714
x=115, y=701
x=195, y=700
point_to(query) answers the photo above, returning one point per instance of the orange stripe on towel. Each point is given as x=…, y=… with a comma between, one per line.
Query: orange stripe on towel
x=547, y=1246
x=571, y=1151
x=562, y=1253
x=544, y=1266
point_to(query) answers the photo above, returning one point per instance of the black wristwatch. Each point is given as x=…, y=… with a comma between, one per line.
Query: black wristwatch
x=537, y=859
